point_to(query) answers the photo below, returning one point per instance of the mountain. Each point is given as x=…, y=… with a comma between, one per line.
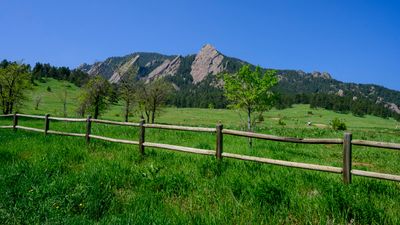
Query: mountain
x=196, y=73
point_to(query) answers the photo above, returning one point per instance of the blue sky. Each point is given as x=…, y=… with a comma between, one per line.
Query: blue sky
x=355, y=41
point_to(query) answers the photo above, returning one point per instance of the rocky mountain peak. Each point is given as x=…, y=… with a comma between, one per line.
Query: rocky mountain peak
x=208, y=48
x=207, y=61
x=323, y=75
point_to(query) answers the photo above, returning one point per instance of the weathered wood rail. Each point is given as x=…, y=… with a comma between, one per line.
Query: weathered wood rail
x=347, y=143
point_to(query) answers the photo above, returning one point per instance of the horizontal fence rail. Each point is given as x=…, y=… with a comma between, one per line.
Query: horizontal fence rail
x=30, y=129
x=114, y=140
x=114, y=122
x=67, y=119
x=65, y=133
x=181, y=128
x=30, y=116
x=347, y=142
x=284, y=163
x=283, y=139
x=376, y=144
x=382, y=176
x=179, y=148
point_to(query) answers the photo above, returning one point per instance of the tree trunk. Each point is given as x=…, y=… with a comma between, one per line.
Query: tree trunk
x=65, y=104
x=96, y=111
x=10, y=96
x=96, y=107
x=147, y=116
x=153, y=111
x=126, y=110
x=249, y=126
x=65, y=109
x=7, y=108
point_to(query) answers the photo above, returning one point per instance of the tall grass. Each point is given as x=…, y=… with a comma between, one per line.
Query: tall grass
x=61, y=180
x=55, y=179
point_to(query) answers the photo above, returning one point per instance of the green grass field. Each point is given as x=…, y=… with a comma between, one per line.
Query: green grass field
x=60, y=180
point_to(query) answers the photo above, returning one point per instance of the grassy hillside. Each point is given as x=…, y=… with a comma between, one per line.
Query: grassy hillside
x=51, y=93
x=55, y=179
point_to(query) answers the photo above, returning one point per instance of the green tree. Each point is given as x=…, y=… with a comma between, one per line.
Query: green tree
x=95, y=97
x=127, y=91
x=152, y=96
x=15, y=79
x=249, y=90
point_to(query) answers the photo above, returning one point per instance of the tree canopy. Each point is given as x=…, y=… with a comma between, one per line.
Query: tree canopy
x=14, y=81
x=152, y=96
x=127, y=88
x=249, y=90
x=95, y=97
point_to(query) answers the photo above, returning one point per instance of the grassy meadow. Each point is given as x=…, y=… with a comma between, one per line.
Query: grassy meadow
x=61, y=180
x=296, y=117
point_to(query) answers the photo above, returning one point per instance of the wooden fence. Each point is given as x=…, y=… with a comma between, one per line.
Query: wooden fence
x=347, y=143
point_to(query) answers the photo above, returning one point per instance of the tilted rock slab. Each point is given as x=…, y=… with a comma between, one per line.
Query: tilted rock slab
x=168, y=67
x=207, y=61
x=123, y=69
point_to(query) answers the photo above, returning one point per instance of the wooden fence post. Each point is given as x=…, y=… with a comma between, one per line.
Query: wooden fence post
x=141, y=136
x=88, y=128
x=46, y=123
x=347, y=158
x=15, y=122
x=219, y=144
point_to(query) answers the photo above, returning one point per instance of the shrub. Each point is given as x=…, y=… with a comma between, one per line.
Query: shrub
x=260, y=118
x=338, y=124
x=48, y=88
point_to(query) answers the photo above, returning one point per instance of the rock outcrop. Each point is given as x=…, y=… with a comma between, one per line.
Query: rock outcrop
x=168, y=67
x=393, y=107
x=323, y=75
x=207, y=61
x=340, y=93
x=95, y=69
x=123, y=69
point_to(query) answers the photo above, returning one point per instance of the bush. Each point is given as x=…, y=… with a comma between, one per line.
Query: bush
x=281, y=122
x=48, y=88
x=260, y=118
x=338, y=124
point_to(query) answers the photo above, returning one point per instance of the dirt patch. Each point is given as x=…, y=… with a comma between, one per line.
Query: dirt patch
x=25, y=155
x=320, y=125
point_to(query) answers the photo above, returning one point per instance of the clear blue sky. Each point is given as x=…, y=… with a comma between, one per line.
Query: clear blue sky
x=356, y=41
